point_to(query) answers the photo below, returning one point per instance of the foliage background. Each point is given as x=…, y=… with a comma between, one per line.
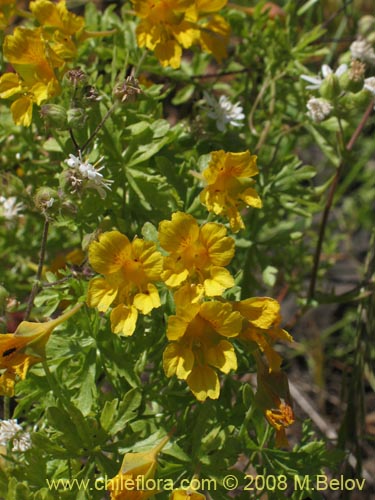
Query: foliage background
x=117, y=397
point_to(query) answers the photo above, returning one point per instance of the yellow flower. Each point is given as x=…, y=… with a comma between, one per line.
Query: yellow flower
x=59, y=26
x=196, y=254
x=228, y=178
x=136, y=468
x=129, y=269
x=35, y=80
x=168, y=25
x=261, y=325
x=198, y=334
x=186, y=495
x=25, y=347
x=52, y=15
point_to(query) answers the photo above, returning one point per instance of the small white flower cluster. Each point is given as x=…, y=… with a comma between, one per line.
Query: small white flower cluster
x=370, y=85
x=318, y=109
x=363, y=50
x=316, y=81
x=9, y=208
x=84, y=174
x=11, y=431
x=224, y=112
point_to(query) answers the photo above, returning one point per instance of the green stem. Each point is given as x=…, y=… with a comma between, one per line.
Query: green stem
x=330, y=198
x=56, y=391
x=36, y=285
x=99, y=126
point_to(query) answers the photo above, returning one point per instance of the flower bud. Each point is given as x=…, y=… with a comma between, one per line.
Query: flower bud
x=75, y=77
x=366, y=25
x=352, y=80
x=357, y=101
x=54, y=115
x=127, y=90
x=330, y=87
x=76, y=117
x=45, y=198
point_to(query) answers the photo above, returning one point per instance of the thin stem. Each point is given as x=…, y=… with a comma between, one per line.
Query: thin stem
x=74, y=141
x=6, y=408
x=36, y=285
x=329, y=201
x=99, y=126
x=53, y=384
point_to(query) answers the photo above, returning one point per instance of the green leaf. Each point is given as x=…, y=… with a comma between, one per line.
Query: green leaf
x=269, y=275
x=108, y=414
x=183, y=95
x=127, y=410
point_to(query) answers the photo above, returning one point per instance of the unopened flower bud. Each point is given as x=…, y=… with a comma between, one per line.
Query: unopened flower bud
x=54, y=115
x=366, y=25
x=45, y=198
x=76, y=117
x=330, y=87
x=358, y=101
x=352, y=80
x=127, y=90
x=75, y=77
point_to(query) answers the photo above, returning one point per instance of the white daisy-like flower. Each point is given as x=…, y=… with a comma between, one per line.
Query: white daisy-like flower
x=11, y=431
x=9, y=208
x=316, y=81
x=318, y=109
x=369, y=84
x=363, y=50
x=88, y=175
x=224, y=112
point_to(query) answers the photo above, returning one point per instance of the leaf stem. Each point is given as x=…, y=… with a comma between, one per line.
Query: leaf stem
x=36, y=285
x=99, y=126
x=329, y=202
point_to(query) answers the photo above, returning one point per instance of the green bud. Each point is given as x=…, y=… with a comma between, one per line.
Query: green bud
x=357, y=101
x=76, y=117
x=54, y=115
x=366, y=25
x=330, y=87
x=45, y=198
x=352, y=80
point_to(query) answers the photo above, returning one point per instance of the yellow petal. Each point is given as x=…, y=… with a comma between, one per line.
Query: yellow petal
x=176, y=327
x=152, y=260
x=179, y=233
x=10, y=84
x=222, y=318
x=222, y=356
x=169, y=54
x=124, y=319
x=187, y=495
x=101, y=294
x=204, y=383
x=210, y=5
x=22, y=111
x=220, y=280
x=214, y=37
x=108, y=254
x=261, y=312
x=251, y=198
x=147, y=301
x=178, y=360
x=219, y=246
